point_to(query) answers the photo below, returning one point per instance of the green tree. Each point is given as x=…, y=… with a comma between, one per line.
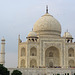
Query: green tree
x=16, y=72
x=3, y=70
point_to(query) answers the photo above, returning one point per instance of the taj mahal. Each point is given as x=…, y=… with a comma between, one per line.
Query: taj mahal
x=45, y=52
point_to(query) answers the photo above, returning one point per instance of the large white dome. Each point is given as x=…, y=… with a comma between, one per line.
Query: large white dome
x=47, y=25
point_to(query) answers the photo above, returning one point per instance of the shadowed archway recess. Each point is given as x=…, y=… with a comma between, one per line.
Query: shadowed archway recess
x=33, y=63
x=52, y=57
x=71, y=63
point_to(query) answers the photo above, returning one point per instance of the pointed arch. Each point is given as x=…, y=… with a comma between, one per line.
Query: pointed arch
x=33, y=63
x=23, y=52
x=71, y=63
x=22, y=63
x=33, y=51
x=71, y=52
x=52, y=57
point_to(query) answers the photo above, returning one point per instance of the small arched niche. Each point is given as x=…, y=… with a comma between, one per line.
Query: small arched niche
x=71, y=52
x=22, y=63
x=33, y=63
x=33, y=51
x=23, y=52
x=71, y=63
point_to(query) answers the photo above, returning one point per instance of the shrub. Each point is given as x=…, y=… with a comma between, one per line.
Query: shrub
x=16, y=72
x=3, y=70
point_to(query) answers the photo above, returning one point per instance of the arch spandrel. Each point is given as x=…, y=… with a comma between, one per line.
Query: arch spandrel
x=33, y=46
x=53, y=47
x=47, y=45
x=71, y=48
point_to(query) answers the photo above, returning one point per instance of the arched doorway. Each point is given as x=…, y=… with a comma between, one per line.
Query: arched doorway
x=33, y=51
x=51, y=64
x=71, y=52
x=52, y=57
x=71, y=63
x=22, y=63
x=33, y=63
x=23, y=52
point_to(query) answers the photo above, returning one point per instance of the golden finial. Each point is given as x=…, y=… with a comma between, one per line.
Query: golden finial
x=46, y=8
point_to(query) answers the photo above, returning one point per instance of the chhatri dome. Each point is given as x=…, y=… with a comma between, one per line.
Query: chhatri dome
x=47, y=25
x=32, y=34
x=3, y=39
x=67, y=35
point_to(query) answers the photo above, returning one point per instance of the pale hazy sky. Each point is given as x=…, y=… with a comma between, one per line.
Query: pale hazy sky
x=18, y=17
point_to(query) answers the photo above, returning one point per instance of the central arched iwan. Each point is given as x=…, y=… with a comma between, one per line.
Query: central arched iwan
x=52, y=57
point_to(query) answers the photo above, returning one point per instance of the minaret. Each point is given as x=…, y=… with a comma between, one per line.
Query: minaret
x=2, y=61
